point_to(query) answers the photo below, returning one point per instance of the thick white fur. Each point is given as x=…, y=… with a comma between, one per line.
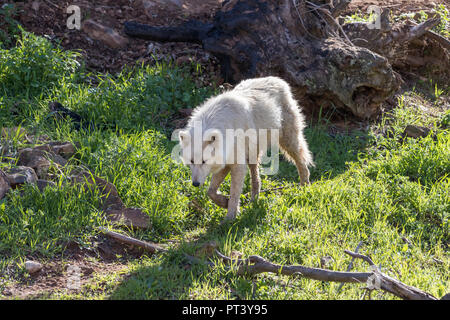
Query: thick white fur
x=261, y=103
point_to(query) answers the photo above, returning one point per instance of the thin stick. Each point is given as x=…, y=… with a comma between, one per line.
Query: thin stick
x=360, y=256
x=147, y=246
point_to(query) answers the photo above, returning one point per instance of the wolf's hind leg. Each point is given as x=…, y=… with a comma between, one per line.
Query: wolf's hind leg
x=216, y=181
x=302, y=169
x=297, y=151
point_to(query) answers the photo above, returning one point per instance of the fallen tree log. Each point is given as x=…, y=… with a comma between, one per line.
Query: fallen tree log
x=297, y=40
x=378, y=281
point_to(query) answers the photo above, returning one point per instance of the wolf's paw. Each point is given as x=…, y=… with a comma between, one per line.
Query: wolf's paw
x=305, y=182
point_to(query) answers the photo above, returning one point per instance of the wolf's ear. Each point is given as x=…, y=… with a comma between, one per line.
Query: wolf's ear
x=212, y=135
x=183, y=137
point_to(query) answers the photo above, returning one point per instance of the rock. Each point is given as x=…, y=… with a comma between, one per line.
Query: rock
x=130, y=217
x=110, y=196
x=42, y=184
x=64, y=149
x=414, y=131
x=105, y=34
x=36, y=159
x=41, y=157
x=20, y=175
x=33, y=266
x=4, y=184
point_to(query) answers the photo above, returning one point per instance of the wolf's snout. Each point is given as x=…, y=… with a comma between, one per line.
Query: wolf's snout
x=196, y=183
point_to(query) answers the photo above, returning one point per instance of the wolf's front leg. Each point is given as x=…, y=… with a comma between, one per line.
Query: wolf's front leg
x=216, y=181
x=238, y=172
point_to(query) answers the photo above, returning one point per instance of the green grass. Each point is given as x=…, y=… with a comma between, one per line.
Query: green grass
x=442, y=28
x=373, y=186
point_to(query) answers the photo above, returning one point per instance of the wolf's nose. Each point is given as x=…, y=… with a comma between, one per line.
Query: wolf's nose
x=195, y=184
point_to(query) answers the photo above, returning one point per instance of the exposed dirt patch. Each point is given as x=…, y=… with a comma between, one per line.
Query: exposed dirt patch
x=49, y=18
x=73, y=270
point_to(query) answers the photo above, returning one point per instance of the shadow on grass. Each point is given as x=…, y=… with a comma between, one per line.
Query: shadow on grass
x=331, y=153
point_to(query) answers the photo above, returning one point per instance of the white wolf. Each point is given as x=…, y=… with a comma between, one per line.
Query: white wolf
x=264, y=110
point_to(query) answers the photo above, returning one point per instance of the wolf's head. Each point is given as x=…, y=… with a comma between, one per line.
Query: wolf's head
x=202, y=153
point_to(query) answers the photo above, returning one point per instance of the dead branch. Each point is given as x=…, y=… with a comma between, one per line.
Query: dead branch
x=392, y=42
x=147, y=246
x=392, y=285
x=191, y=31
x=255, y=264
x=420, y=29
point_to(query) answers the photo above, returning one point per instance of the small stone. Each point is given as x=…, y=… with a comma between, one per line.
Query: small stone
x=41, y=157
x=36, y=159
x=32, y=266
x=183, y=60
